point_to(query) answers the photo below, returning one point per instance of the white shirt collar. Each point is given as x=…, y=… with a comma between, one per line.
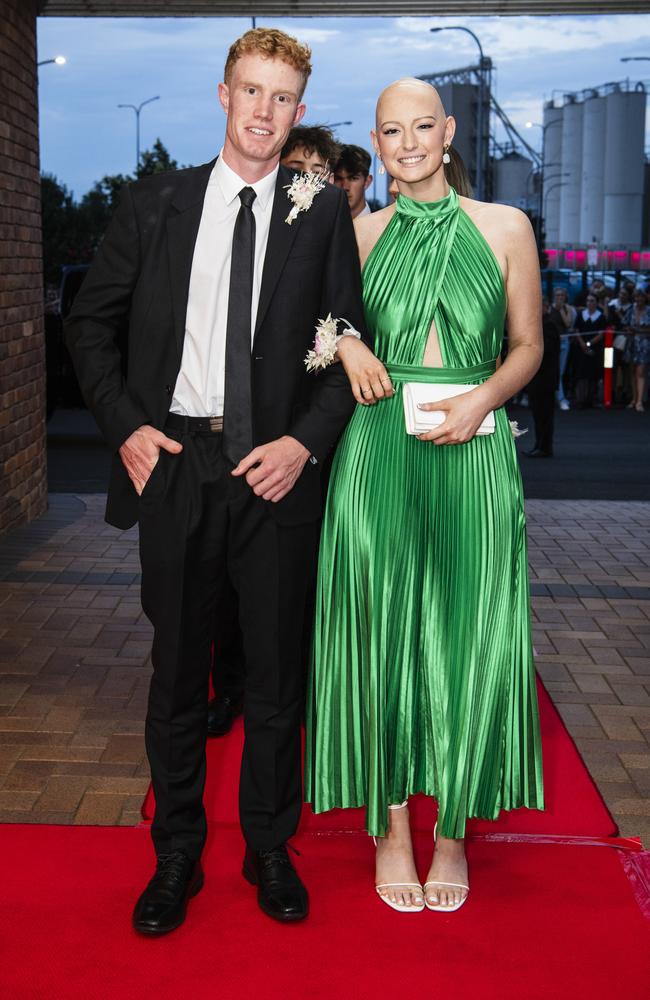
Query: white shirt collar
x=364, y=211
x=230, y=183
x=587, y=315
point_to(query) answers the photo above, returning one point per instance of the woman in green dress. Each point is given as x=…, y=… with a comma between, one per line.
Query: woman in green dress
x=423, y=677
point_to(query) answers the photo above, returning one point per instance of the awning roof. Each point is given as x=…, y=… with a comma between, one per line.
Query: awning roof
x=324, y=8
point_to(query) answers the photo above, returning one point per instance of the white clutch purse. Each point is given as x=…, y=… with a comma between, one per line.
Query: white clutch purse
x=420, y=421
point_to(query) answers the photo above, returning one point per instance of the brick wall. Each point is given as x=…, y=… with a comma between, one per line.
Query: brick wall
x=23, y=474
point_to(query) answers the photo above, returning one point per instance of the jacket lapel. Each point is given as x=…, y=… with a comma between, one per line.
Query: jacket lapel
x=280, y=241
x=182, y=230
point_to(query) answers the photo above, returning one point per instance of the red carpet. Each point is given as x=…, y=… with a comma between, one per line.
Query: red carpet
x=574, y=806
x=558, y=908
x=542, y=921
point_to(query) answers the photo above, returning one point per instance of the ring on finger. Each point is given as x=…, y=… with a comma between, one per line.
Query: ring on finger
x=384, y=380
x=365, y=390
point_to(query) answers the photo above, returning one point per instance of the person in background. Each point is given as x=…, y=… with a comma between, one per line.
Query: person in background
x=352, y=175
x=623, y=390
x=595, y=288
x=637, y=321
x=590, y=324
x=310, y=149
x=564, y=316
x=623, y=299
x=543, y=385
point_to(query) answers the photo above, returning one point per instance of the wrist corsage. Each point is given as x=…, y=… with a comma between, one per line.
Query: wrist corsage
x=303, y=189
x=326, y=342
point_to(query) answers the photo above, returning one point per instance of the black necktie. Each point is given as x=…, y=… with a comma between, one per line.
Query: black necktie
x=237, y=415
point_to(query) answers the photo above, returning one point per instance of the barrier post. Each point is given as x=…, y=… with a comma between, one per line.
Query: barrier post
x=608, y=367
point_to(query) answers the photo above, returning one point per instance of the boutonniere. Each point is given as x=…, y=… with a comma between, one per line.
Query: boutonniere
x=326, y=342
x=303, y=189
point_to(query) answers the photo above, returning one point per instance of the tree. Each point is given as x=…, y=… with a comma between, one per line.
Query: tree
x=63, y=236
x=156, y=161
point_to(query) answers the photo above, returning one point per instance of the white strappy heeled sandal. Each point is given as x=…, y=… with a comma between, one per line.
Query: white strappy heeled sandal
x=399, y=885
x=453, y=885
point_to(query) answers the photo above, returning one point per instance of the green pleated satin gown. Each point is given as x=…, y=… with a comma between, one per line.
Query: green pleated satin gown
x=422, y=676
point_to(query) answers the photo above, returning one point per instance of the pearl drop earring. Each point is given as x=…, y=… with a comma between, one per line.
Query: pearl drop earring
x=446, y=158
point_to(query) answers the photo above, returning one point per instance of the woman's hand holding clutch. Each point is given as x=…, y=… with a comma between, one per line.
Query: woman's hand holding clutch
x=369, y=379
x=465, y=414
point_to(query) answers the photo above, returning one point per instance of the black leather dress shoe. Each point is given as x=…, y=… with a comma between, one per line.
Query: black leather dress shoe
x=222, y=712
x=163, y=904
x=280, y=893
x=538, y=453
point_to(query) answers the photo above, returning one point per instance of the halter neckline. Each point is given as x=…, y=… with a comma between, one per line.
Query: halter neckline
x=429, y=210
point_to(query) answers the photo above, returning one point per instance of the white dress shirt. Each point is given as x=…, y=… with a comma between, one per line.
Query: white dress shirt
x=199, y=389
x=364, y=211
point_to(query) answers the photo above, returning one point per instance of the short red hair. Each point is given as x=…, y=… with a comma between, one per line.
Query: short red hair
x=271, y=44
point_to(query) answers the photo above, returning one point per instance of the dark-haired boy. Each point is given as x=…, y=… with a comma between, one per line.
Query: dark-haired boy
x=310, y=149
x=352, y=174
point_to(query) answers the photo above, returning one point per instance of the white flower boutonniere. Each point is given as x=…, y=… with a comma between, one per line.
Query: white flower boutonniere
x=326, y=342
x=516, y=430
x=303, y=189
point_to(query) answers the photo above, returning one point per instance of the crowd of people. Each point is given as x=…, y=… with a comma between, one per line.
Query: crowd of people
x=571, y=373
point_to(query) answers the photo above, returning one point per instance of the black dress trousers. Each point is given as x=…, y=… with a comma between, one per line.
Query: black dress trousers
x=228, y=664
x=198, y=522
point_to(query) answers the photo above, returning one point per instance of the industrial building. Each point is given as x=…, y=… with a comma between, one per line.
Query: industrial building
x=594, y=167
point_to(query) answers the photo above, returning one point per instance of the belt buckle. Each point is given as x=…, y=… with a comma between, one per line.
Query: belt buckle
x=216, y=424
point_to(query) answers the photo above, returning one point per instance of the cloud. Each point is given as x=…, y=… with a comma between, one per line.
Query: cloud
x=511, y=38
x=310, y=36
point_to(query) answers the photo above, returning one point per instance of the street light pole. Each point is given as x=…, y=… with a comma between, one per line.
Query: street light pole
x=480, y=156
x=541, y=172
x=541, y=180
x=548, y=191
x=138, y=108
x=59, y=60
x=334, y=124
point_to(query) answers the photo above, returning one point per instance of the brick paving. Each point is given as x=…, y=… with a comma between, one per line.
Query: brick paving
x=74, y=657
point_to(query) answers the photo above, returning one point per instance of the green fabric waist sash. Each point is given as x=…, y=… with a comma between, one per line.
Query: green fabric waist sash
x=454, y=376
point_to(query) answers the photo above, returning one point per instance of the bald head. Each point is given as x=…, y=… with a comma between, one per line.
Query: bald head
x=412, y=134
x=405, y=95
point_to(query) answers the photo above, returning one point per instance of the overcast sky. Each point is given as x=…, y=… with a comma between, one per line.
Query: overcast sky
x=127, y=60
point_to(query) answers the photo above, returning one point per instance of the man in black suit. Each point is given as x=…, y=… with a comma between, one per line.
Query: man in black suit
x=219, y=437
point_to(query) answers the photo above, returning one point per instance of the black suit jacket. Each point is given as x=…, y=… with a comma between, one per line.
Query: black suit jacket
x=141, y=275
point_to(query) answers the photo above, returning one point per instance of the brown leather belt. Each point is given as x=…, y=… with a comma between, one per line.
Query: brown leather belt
x=194, y=425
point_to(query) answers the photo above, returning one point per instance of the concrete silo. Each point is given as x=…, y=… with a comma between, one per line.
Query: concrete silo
x=512, y=181
x=552, y=166
x=594, y=143
x=571, y=171
x=624, y=166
